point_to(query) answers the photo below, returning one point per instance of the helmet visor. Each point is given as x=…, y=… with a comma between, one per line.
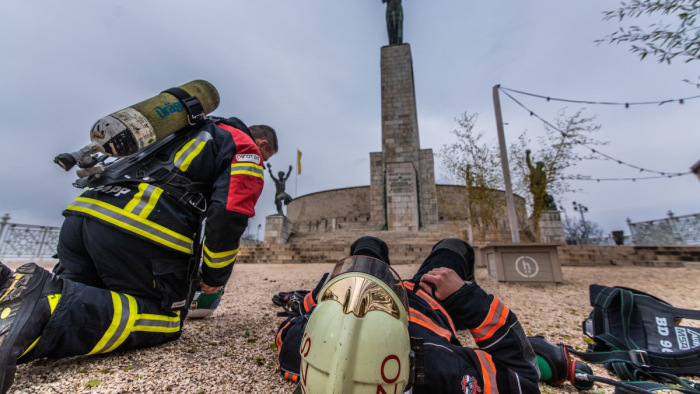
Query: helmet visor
x=359, y=294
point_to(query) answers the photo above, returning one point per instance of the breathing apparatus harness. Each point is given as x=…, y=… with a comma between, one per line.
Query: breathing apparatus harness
x=155, y=163
x=639, y=338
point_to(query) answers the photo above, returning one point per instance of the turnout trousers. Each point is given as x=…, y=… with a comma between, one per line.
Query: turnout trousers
x=119, y=292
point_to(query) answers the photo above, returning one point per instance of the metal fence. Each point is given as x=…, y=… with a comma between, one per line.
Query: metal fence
x=673, y=230
x=26, y=241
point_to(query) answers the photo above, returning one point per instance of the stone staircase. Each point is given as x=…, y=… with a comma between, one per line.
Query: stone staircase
x=413, y=247
x=404, y=248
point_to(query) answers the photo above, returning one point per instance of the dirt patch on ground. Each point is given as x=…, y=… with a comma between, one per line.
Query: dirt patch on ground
x=233, y=350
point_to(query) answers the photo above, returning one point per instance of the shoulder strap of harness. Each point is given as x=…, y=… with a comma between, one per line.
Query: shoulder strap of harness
x=639, y=336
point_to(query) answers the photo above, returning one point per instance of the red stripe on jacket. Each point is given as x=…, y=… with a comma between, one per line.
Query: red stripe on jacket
x=244, y=190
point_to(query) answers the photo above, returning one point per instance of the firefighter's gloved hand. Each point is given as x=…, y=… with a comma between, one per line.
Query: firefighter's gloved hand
x=556, y=366
x=441, y=283
x=290, y=301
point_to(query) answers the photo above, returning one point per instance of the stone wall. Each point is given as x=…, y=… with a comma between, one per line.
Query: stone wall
x=327, y=211
x=453, y=211
x=655, y=256
x=349, y=209
x=407, y=250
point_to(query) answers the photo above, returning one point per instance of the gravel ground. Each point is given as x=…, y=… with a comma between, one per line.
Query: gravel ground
x=232, y=351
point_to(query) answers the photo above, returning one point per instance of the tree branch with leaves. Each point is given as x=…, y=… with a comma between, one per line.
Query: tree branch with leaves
x=476, y=165
x=665, y=41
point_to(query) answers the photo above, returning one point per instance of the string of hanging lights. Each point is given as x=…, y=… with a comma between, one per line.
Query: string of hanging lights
x=660, y=174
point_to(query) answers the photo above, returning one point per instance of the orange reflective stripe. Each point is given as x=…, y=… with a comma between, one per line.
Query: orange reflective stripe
x=488, y=372
x=309, y=302
x=418, y=318
x=279, y=341
x=291, y=376
x=431, y=301
x=436, y=307
x=496, y=318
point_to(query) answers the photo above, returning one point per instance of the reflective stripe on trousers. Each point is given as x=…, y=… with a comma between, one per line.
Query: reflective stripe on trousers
x=126, y=320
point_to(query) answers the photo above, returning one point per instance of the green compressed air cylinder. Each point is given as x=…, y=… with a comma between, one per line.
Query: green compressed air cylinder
x=133, y=128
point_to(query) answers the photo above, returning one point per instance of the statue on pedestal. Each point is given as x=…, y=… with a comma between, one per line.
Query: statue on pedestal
x=538, y=189
x=394, y=21
x=280, y=196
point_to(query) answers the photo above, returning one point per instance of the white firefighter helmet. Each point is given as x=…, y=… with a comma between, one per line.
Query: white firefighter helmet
x=356, y=339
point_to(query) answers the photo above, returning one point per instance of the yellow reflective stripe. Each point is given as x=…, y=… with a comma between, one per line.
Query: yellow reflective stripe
x=132, y=222
x=185, y=164
x=53, y=301
x=144, y=201
x=157, y=323
x=151, y=203
x=133, y=314
x=29, y=348
x=184, y=157
x=248, y=169
x=219, y=259
x=126, y=320
x=113, y=327
x=137, y=198
x=182, y=151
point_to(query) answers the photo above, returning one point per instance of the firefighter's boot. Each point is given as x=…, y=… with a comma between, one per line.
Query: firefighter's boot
x=24, y=311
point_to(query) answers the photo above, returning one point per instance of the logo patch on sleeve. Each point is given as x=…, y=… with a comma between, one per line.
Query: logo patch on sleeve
x=469, y=385
x=248, y=158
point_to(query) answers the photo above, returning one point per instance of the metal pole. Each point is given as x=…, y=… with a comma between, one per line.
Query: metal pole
x=514, y=233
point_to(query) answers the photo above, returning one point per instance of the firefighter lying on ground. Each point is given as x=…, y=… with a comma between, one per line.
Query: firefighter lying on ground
x=362, y=329
x=125, y=271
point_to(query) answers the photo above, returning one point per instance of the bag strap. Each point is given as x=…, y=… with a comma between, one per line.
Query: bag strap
x=194, y=108
x=601, y=305
x=674, y=363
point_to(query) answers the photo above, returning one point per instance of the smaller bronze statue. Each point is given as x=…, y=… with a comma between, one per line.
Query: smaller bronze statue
x=549, y=203
x=394, y=21
x=280, y=196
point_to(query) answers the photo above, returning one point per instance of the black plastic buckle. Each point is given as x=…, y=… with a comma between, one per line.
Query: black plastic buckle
x=195, y=110
x=193, y=107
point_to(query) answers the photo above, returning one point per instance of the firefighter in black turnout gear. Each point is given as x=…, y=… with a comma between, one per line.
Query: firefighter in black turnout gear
x=126, y=266
x=442, y=297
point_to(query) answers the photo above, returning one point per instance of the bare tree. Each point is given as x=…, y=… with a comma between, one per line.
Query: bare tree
x=563, y=145
x=476, y=165
x=581, y=232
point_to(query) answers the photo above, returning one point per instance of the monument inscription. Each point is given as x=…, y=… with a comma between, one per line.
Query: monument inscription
x=400, y=182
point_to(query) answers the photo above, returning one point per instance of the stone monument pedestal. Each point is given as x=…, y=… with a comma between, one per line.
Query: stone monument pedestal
x=530, y=263
x=551, y=228
x=277, y=229
x=402, y=197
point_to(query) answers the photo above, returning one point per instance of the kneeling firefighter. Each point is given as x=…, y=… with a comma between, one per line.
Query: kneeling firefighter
x=130, y=246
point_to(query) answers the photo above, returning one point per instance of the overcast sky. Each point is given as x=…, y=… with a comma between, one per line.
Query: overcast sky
x=311, y=70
